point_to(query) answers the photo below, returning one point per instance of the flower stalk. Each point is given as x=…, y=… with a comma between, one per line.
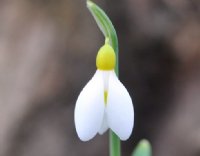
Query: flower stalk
x=115, y=144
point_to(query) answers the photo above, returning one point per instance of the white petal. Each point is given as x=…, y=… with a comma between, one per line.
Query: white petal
x=89, y=109
x=120, y=113
x=104, y=125
x=106, y=75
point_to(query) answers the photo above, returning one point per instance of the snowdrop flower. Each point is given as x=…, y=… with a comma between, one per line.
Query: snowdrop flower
x=104, y=102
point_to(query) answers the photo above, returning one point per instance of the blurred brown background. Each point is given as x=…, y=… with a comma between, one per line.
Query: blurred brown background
x=47, y=54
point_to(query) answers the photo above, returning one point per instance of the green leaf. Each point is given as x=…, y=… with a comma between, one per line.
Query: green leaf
x=143, y=149
x=105, y=26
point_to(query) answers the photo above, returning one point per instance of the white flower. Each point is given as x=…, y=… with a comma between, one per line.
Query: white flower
x=104, y=102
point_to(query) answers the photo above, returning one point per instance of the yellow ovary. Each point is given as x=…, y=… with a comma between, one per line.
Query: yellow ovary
x=106, y=58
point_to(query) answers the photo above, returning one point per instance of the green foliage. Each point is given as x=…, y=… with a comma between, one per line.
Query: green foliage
x=143, y=149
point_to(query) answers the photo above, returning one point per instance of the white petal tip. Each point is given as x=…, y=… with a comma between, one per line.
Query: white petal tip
x=124, y=138
x=102, y=132
x=84, y=139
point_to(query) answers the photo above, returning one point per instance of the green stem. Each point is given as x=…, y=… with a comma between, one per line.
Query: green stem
x=115, y=147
